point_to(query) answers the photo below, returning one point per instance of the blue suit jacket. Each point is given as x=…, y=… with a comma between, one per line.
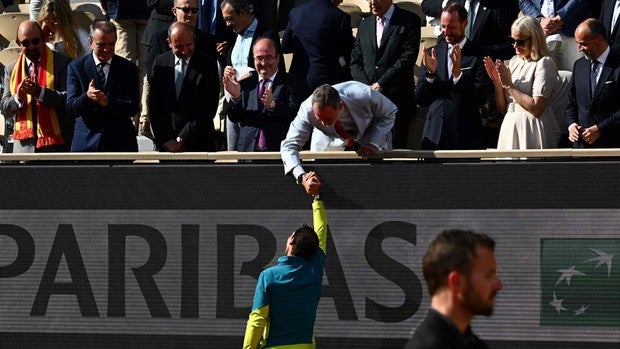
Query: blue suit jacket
x=318, y=34
x=287, y=93
x=100, y=128
x=602, y=109
x=572, y=12
x=190, y=116
x=453, y=120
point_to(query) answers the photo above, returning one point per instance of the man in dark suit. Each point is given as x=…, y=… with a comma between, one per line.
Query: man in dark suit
x=184, y=95
x=610, y=13
x=453, y=85
x=461, y=274
x=103, y=95
x=318, y=49
x=265, y=103
x=490, y=24
x=489, y=29
x=385, y=60
x=34, y=93
x=593, y=111
x=239, y=55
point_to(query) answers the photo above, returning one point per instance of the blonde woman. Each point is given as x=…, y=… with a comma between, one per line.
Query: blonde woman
x=524, y=89
x=60, y=28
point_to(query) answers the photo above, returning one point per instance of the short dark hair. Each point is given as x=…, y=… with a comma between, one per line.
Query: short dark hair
x=596, y=28
x=324, y=96
x=451, y=250
x=237, y=5
x=305, y=242
x=458, y=8
x=105, y=27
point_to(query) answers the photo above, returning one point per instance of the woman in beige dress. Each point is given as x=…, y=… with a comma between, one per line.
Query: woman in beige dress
x=523, y=90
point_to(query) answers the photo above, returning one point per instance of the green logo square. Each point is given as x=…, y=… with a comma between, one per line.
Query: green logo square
x=580, y=282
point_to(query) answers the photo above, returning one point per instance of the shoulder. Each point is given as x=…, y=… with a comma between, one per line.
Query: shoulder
x=123, y=63
x=407, y=16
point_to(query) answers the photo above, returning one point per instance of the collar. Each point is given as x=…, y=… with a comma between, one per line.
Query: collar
x=461, y=44
x=177, y=60
x=97, y=61
x=249, y=32
x=272, y=77
x=388, y=14
x=603, y=57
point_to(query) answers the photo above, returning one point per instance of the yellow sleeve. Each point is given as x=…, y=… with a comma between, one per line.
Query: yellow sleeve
x=320, y=223
x=257, y=322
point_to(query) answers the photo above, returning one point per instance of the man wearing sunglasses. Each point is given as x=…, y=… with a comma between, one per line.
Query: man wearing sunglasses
x=288, y=293
x=35, y=94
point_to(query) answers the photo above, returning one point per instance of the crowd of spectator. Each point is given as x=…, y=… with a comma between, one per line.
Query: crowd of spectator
x=505, y=74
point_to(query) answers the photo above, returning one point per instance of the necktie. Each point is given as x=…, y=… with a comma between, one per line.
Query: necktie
x=179, y=75
x=348, y=139
x=593, y=74
x=262, y=140
x=101, y=75
x=380, y=28
x=33, y=70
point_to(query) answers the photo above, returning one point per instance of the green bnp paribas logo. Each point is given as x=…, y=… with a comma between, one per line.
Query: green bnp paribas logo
x=580, y=283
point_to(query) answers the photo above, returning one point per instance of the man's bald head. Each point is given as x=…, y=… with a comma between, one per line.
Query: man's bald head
x=30, y=38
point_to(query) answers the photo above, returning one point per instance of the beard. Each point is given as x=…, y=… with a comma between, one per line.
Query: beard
x=478, y=304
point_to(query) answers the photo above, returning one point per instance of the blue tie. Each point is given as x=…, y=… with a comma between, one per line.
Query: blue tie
x=100, y=75
x=179, y=75
x=593, y=74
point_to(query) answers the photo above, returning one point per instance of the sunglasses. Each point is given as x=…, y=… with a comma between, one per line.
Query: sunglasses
x=518, y=42
x=27, y=43
x=186, y=10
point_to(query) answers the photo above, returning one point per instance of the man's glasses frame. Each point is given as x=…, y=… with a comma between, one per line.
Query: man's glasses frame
x=26, y=43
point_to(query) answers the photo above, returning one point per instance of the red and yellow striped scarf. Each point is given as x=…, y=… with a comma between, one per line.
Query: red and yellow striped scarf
x=48, y=128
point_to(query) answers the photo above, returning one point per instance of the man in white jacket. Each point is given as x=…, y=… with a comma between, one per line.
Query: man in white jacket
x=348, y=116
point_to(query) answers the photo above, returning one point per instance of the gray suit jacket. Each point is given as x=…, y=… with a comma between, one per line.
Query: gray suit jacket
x=372, y=113
x=56, y=98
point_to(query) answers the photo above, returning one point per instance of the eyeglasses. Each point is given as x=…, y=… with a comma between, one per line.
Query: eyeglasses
x=186, y=10
x=27, y=43
x=264, y=58
x=518, y=42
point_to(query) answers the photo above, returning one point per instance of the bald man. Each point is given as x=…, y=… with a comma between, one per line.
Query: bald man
x=35, y=94
x=184, y=95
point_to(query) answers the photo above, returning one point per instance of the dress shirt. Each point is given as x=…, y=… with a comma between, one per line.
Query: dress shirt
x=243, y=45
x=601, y=59
x=381, y=26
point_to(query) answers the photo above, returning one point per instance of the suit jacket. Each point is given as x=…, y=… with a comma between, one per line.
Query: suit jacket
x=222, y=32
x=287, y=93
x=437, y=332
x=203, y=42
x=100, y=128
x=190, y=116
x=602, y=109
x=453, y=120
x=491, y=26
x=56, y=98
x=572, y=12
x=372, y=113
x=160, y=19
x=613, y=34
x=317, y=48
x=391, y=65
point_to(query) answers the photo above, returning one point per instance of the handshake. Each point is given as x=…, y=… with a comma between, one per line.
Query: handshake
x=310, y=181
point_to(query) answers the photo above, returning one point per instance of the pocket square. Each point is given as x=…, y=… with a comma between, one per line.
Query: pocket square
x=466, y=68
x=609, y=82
